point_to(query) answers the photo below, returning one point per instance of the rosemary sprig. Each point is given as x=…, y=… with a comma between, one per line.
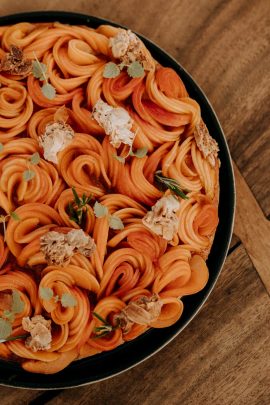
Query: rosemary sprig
x=78, y=207
x=14, y=338
x=165, y=183
x=104, y=329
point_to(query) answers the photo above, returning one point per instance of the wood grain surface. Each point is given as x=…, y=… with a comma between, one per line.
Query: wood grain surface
x=223, y=356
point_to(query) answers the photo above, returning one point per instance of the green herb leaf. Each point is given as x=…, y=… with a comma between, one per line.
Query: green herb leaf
x=8, y=315
x=111, y=70
x=100, y=210
x=1, y=147
x=14, y=216
x=139, y=153
x=119, y=158
x=28, y=175
x=115, y=222
x=17, y=303
x=39, y=70
x=99, y=317
x=76, y=197
x=68, y=300
x=78, y=208
x=5, y=328
x=167, y=183
x=45, y=293
x=135, y=69
x=35, y=158
x=8, y=339
x=48, y=91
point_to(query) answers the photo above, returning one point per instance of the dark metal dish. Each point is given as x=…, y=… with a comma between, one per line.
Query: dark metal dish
x=108, y=364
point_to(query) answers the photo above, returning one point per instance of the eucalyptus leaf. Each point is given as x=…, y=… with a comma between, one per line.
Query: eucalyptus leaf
x=5, y=328
x=35, y=158
x=135, y=69
x=39, y=70
x=68, y=300
x=46, y=293
x=100, y=210
x=28, y=175
x=8, y=315
x=17, y=305
x=139, y=153
x=48, y=91
x=115, y=223
x=111, y=70
x=119, y=158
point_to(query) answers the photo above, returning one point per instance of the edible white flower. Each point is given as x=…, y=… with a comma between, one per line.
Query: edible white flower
x=116, y=123
x=57, y=136
x=162, y=218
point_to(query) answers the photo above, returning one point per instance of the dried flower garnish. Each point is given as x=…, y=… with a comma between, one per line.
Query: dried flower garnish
x=40, y=332
x=143, y=311
x=14, y=62
x=105, y=329
x=57, y=136
x=165, y=183
x=128, y=48
x=59, y=247
x=116, y=123
x=39, y=71
x=162, y=219
x=206, y=144
x=78, y=207
x=101, y=211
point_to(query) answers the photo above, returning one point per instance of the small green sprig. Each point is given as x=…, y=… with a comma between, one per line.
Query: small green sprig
x=29, y=174
x=39, y=71
x=67, y=300
x=105, y=329
x=139, y=153
x=8, y=316
x=165, y=183
x=78, y=207
x=112, y=70
x=10, y=338
x=101, y=211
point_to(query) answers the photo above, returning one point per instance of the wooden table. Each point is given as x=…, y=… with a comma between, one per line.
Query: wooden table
x=223, y=356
